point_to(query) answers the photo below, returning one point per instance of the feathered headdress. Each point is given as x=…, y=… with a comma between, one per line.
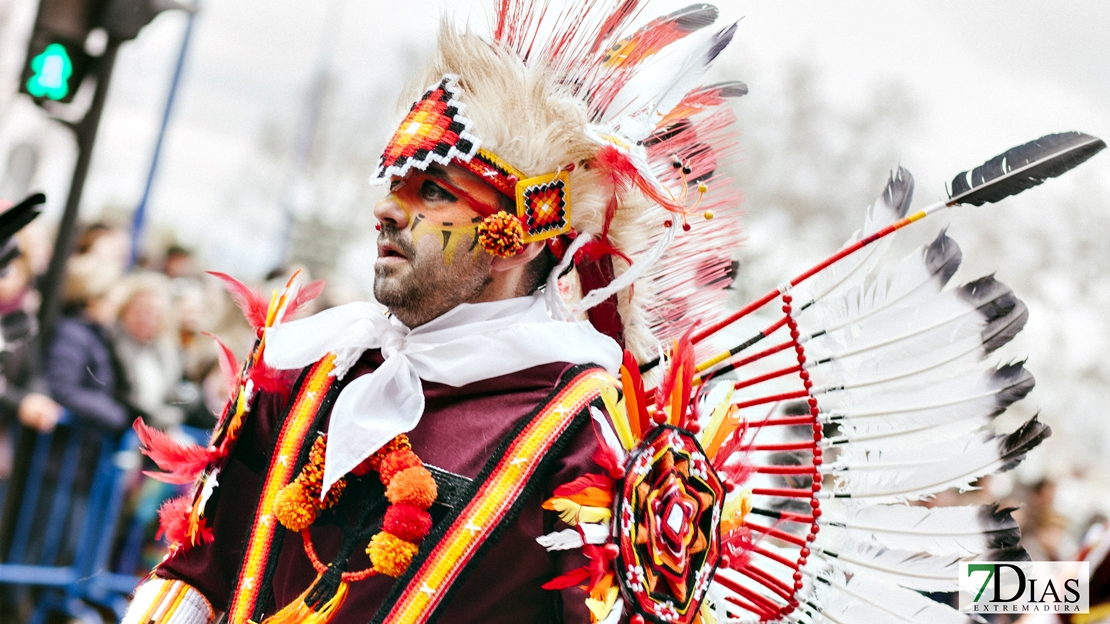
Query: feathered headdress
x=615, y=179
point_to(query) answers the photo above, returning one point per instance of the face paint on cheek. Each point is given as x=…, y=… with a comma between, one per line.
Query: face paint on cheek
x=453, y=236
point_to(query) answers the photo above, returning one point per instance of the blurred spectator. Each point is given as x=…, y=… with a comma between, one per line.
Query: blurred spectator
x=81, y=368
x=197, y=309
x=22, y=391
x=1044, y=529
x=179, y=263
x=149, y=358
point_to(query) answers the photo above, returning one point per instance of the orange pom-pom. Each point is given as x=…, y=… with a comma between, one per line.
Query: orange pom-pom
x=407, y=522
x=396, y=462
x=501, y=234
x=294, y=508
x=414, y=486
x=390, y=554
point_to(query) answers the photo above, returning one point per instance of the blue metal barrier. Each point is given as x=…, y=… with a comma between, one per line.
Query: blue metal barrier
x=72, y=575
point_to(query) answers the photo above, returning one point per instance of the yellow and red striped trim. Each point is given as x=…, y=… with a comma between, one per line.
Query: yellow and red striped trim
x=163, y=601
x=297, y=427
x=427, y=587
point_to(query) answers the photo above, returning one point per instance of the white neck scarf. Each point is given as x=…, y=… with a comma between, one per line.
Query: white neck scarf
x=470, y=343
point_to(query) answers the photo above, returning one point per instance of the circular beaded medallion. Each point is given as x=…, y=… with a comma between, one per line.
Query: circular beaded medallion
x=668, y=515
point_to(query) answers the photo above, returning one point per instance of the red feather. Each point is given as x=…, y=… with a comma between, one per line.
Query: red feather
x=250, y=301
x=173, y=519
x=304, y=295
x=183, y=463
x=581, y=483
x=267, y=379
x=613, y=23
x=624, y=174
x=228, y=366
x=575, y=577
x=601, y=558
x=605, y=456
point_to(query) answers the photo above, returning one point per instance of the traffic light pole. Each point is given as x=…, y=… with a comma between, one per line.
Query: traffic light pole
x=85, y=131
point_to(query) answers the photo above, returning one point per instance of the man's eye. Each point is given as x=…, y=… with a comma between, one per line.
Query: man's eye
x=431, y=191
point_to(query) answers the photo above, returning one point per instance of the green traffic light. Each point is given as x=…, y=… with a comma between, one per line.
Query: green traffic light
x=52, y=71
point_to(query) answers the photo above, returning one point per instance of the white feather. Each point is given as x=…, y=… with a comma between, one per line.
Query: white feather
x=862, y=600
x=954, y=407
x=963, y=530
x=911, y=570
x=607, y=432
x=885, y=211
x=888, y=475
x=567, y=539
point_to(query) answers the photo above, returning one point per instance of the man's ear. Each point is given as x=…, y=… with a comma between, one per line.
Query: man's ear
x=530, y=251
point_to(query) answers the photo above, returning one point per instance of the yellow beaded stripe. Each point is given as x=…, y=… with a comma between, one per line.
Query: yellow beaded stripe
x=281, y=472
x=493, y=499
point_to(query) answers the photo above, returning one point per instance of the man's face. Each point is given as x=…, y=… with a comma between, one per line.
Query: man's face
x=429, y=260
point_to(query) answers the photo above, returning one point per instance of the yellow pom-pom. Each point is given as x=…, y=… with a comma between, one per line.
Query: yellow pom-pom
x=708, y=215
x=703, y=188
x=294, y=508
x=501, y=234
x=390, y=554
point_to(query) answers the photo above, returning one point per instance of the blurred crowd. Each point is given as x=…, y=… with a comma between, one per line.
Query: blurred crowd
x=132, y=342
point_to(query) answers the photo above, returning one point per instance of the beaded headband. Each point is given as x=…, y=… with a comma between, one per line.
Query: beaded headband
x=436, y=131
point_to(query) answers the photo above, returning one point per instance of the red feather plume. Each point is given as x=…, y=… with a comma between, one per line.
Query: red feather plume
x=304, y=296
x=250, y=301
x=183, y=463
x=624, y=174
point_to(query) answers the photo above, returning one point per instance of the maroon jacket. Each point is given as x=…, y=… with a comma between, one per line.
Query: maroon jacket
x=460, y=429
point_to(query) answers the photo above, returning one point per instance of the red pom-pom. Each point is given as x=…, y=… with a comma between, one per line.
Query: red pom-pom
x=396, y=462
x=407, y=522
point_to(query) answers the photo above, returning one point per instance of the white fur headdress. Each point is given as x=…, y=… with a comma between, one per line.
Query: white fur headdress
x=622, y=192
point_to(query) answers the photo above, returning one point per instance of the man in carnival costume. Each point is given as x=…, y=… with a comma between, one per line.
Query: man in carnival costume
x=486, y=452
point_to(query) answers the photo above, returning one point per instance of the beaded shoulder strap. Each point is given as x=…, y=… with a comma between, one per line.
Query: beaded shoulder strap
x=313, y=395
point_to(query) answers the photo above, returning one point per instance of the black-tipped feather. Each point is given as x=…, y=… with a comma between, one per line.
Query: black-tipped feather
x=730, y=89
x=1015, y=381
x=1013, y=447
x=899, y=191
x=943, y=257
x=1004, y=555
x=1023, y=167
x=1002, y=329
x=999, y=526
